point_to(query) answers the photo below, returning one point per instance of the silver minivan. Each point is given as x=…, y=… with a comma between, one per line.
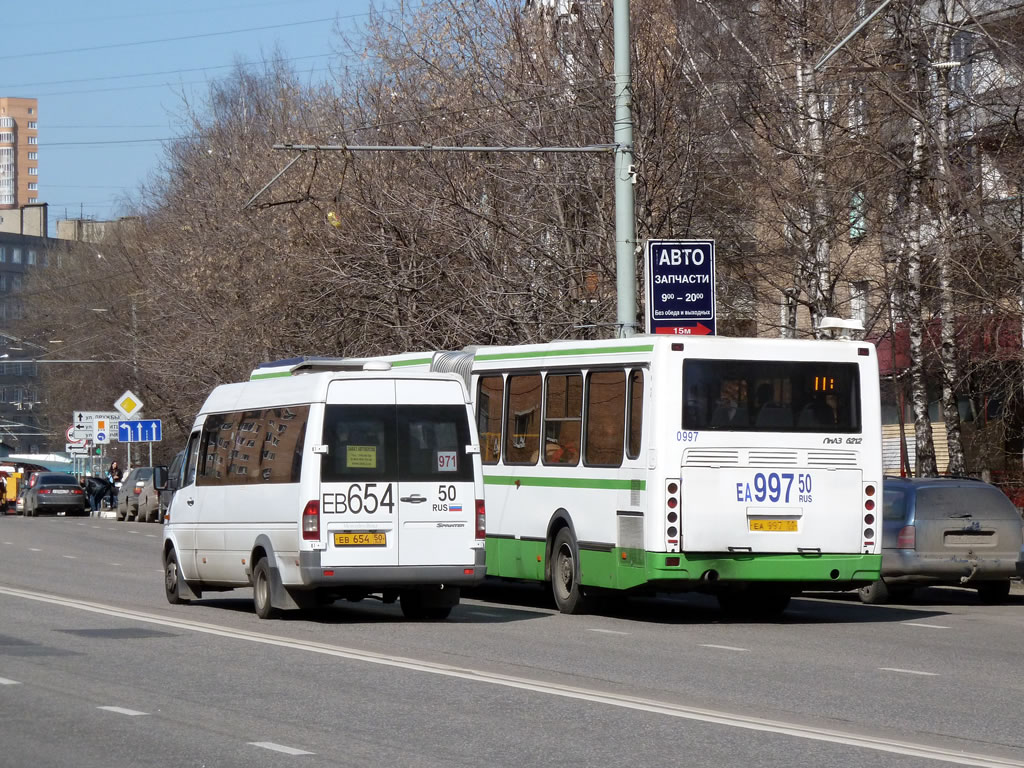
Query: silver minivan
x=943, y=531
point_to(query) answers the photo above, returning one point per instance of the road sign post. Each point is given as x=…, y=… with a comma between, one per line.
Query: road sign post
x=680, y=287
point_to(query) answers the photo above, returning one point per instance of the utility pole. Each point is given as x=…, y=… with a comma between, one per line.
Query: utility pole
x=625, y=176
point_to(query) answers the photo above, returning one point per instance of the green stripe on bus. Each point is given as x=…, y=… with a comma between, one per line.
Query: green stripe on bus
x=419, y=361
x=270, y=375
x=567, y=482
x=571, y=351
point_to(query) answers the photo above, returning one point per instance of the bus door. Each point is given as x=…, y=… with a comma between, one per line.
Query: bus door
x=359, y=489
x=437, y=503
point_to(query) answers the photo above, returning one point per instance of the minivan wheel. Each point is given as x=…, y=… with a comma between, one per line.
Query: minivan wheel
x=994, y=592
x=172, y=577
x=261, y=590
x=876, y=593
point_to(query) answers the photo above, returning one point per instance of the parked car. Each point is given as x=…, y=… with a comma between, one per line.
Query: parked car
x=55, y=492
x=947, y=532
x=173, y=478
x=137, y=498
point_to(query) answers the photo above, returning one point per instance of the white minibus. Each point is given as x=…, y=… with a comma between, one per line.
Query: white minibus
x=319, y=480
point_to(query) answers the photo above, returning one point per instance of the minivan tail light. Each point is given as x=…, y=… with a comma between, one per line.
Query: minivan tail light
x=907, y=538
x=311, y=521
x=481, y=519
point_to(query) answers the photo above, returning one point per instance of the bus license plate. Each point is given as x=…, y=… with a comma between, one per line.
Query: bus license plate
x=773, y=525
x=360, y=540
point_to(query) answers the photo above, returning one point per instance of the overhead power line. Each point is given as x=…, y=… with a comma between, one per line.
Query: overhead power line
x=37, y=54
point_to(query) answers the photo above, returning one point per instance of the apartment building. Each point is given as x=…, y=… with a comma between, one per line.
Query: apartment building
x=19, y=152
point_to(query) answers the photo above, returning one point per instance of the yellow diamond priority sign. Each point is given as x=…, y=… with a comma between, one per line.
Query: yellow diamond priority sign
x=128, y=404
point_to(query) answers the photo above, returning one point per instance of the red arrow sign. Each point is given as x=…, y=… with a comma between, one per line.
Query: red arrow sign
x=696, y=330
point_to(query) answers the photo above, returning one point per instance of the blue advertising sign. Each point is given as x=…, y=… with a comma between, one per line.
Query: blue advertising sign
x=680, y=287
x=139, y=431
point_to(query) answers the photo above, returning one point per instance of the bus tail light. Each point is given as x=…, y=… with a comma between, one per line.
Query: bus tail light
x=869, y=519
x=907, y=538
x=311, y=521
x=673, y=510
x=481, y=519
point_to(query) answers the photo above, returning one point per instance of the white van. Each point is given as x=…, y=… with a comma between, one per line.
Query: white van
x=320, y=480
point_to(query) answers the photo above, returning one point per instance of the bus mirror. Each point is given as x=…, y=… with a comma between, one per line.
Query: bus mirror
x=160, y=478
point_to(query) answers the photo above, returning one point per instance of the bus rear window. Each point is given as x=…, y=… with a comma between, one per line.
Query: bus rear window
x=771, y=396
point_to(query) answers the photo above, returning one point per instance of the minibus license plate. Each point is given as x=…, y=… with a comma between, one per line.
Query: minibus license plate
x=773, y=525
x=360, y=540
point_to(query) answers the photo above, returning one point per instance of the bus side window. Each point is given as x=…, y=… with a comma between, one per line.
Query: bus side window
x=636, y=413
x=490, y=392
x=605, y=426
x=522, y=429
x=188, y=465
x=563, y=418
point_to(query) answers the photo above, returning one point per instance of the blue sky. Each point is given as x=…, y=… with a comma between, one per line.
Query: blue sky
x=110, y=78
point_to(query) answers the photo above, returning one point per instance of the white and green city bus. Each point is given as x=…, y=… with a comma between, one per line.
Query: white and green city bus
x=746, y=468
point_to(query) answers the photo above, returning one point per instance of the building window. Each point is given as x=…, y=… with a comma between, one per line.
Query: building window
x=33, y=171
x=31, y=258
x=31, y=139
x=6, y=122
x=31, y=110
x=6, y=137
x=858, y=226
x=33, y=155
x=3, y=282
x=16, y=255
x=16, y=282
x=33, y=185
x=32, y=125
x=859, y=300
x=3, y=254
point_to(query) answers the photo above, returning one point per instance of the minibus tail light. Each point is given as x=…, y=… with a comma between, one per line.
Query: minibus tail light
x=311, y=521
x=481, y=519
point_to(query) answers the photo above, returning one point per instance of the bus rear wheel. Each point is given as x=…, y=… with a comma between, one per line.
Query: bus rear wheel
x=565, y=574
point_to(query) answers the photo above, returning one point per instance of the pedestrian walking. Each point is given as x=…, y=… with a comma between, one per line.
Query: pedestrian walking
x=114, y=478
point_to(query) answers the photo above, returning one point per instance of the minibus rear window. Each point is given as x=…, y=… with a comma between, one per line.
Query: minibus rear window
x=361, y=445
x=432, y=443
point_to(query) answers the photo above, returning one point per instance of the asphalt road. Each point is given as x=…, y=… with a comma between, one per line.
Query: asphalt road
x=96, y=669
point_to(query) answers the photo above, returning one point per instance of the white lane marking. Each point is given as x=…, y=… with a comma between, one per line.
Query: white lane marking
x=132, y=531
x=123, y=711
x=922, y=624
x=95, y=526
x=70, y=557
x=909, y=671
x=280, y=748
x=119, y=565
x=723, y=647
x=34, y=549
x=5, y=681
x=9, y=542
x=812, y=732
x=150, y=535
x=607, y=631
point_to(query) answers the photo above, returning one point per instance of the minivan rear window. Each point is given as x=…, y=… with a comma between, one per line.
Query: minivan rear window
x=980, y=502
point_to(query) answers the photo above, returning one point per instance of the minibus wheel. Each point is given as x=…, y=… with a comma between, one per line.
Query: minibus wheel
x=565, y=574
x=172, y=579
x=261, y=590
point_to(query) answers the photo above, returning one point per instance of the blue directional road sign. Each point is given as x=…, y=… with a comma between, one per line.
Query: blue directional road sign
x=680, y=287
x=139, y=431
